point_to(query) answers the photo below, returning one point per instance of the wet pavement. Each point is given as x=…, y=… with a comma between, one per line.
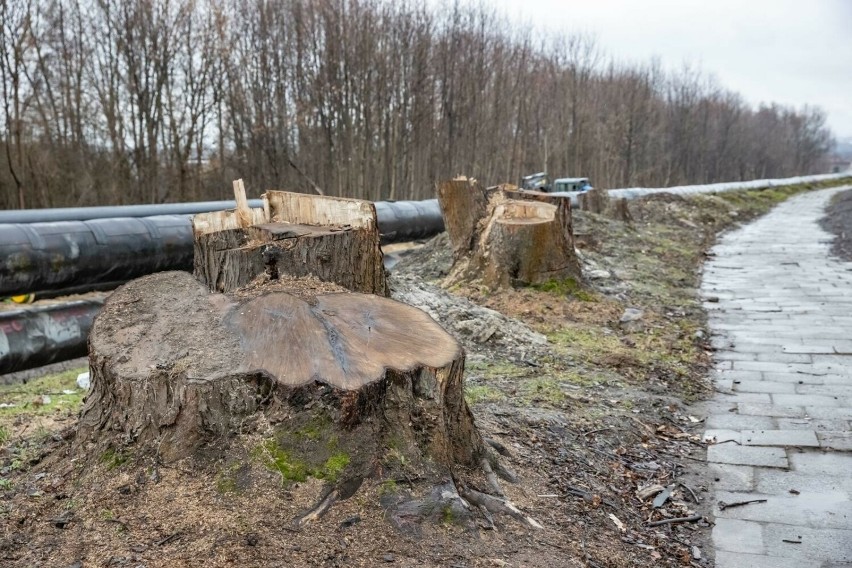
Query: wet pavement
x=780, y=310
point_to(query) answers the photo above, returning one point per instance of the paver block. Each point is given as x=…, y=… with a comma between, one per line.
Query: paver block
x=738, y=375
x=728, y=477
x=765, y=387
x=805, y=400
x=813, y=510
x=812, y=424
x=832, y=440
x=752, y=397
x=783, y=357
x=772, y=410
x=780, y=482
x=827, y=545
x=821, y=463
x=844, y=390
x=829, y=412
x=801, y=438
x=730, y=421
x=734, y=356
x=738, y=536
x=747, y=455
x=796, y=378
x=768, y=366
x=725, y=559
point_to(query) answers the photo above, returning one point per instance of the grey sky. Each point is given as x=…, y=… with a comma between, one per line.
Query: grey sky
x=793, y=52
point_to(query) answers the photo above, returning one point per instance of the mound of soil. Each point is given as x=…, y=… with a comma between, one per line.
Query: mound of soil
x=838, y=221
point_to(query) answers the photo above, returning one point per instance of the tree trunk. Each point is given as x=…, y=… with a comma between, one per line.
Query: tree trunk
x=504, y=237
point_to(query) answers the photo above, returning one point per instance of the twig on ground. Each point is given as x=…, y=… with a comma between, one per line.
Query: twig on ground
x=691, y=492
x=491, y=478
x=691, y=519
x=723, y=505
x=497, y=505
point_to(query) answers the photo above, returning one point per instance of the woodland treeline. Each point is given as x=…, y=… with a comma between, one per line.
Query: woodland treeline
x=136, y=101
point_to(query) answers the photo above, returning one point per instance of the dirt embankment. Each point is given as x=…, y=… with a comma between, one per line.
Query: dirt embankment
x=583, y=388
x=838, y=221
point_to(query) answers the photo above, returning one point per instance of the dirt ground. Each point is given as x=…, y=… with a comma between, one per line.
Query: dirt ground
x=583, y=388
x=838, y=221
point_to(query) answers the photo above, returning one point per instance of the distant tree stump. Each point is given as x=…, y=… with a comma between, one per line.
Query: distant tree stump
x=504, y=237
x=620, y=211
x=340, y=386
x=594, y=201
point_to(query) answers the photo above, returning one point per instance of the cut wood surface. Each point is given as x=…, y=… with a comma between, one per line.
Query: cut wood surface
x=505, y=237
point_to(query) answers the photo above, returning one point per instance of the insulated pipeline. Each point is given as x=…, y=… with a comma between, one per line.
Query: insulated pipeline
x=62, y=254
x=48, y=256
x=34, y=337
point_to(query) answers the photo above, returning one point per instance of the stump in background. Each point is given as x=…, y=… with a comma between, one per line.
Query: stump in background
x=334, y=239
x=594, y=201
x=620, y=211
x=505, y=237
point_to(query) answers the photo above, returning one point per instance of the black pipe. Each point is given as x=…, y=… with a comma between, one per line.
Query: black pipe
x=50, y=256
x=115, y=211
x=387, y=211
x=47, y=256
x=34, y=337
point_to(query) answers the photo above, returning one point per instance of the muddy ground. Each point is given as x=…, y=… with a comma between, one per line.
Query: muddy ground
x=838, y=221
x=585, y=387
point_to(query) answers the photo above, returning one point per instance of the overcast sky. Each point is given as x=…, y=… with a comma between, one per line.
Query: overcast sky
x=793, y=52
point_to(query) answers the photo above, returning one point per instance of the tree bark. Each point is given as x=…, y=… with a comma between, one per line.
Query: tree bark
x=504, y=237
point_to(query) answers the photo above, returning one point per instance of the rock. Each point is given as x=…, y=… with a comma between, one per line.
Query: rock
x=631, y=314
x=696, y=553
x=631, y=320
x=83, y=381
x=599, y=274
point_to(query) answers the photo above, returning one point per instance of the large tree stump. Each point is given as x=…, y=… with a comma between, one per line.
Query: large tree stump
x=333, y=239
x=178, y=370
x=505, y=237
x=296, y=373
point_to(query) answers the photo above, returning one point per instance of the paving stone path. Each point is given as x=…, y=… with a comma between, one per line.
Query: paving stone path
x=781, y=317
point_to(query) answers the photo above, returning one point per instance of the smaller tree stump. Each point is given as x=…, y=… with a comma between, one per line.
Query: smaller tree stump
x=594, y=201
x=333, y=239
x=620, y=210
x=505, y=237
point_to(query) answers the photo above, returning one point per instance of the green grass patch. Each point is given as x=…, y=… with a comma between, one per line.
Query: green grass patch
x=567, y=287
x=28, y=398
x=548, y=390
x=292, y=469
x=482, y=393
x=113, y=459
